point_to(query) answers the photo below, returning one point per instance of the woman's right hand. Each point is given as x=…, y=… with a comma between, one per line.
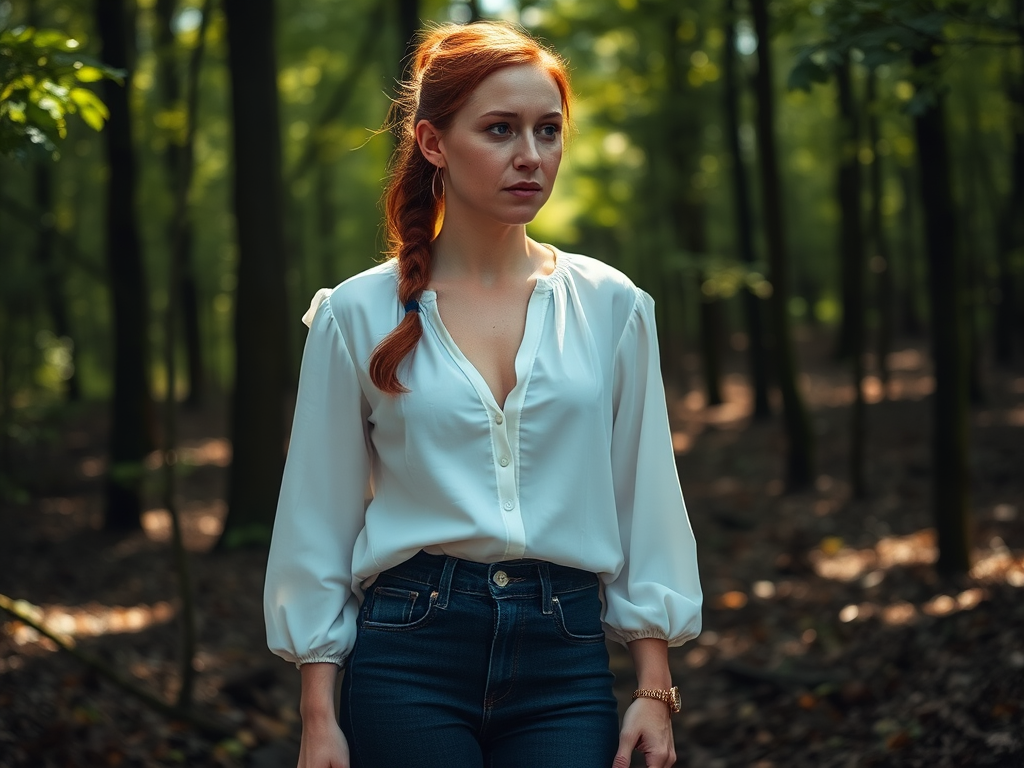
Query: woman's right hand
x=323, y=744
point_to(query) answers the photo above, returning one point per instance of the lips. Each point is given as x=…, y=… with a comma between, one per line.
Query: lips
x=524, y=189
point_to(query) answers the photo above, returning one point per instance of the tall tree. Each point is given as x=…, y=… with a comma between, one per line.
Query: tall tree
x=682, y=131
x=49, y=263
x=261, y=353
x=851, y=250
x=1009, y=326
x=170, y=92
x=752, y=309
x=879, y=244
x=130, y=404
x=408, y=25
x=950, y=501
x=800, y=439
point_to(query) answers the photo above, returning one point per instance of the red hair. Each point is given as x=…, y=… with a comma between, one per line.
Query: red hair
x=449, y=62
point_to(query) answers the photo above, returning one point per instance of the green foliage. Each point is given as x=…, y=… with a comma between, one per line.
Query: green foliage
x=879, y=33
x=251, y=536
x=41, y=79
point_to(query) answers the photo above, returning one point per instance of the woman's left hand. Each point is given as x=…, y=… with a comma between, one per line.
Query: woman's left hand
x=647, y=726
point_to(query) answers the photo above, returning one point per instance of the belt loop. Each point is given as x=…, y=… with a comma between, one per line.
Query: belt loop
x=545, y=589
x=445, y=587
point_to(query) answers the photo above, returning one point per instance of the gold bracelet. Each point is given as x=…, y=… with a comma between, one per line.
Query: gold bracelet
x=670, y=696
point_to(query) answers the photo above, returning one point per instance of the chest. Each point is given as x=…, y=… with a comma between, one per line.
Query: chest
x=488, y=326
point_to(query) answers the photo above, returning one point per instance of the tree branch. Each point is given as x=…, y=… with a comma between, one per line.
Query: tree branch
x=206, y=722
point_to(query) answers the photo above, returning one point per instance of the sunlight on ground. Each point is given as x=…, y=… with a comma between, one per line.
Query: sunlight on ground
x=89, y=620
x=909, y=380
x=902, y=612
x=201, y=524
x=832, y=560
x=213, y=452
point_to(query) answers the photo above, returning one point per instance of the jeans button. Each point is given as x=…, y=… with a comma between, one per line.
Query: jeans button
x=500, y=578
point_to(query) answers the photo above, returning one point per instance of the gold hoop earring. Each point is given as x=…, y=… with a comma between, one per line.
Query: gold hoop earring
x=438, y=174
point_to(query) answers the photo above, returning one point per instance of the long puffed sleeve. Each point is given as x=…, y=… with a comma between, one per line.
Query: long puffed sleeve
x=657, y=593
x=308, y=602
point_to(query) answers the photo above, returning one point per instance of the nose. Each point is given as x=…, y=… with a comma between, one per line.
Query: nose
x=528, y=156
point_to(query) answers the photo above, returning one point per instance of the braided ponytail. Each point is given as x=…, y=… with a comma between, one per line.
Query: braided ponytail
x=448, y=64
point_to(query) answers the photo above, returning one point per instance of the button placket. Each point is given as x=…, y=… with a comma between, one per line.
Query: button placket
x=508, y=490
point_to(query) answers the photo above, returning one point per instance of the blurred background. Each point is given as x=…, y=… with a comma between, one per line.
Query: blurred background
x=824, y=197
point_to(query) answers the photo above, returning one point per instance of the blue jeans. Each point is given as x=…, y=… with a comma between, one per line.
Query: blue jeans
x=468, y=665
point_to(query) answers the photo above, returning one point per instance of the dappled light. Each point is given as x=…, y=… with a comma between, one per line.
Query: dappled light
x=214, y=452
x=90, y=620
x=201, y=524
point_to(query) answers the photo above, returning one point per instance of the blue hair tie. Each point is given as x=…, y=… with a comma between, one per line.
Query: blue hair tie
x=412, y=306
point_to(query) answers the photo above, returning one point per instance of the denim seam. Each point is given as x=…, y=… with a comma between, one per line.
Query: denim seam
x=569, y=636
x=428, y=618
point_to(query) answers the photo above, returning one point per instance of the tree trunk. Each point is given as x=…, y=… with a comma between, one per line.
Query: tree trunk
x=687, y=211
x=130, y=404
x=1011, y=238
x=752, y=310
x=53, y=285
x=408, y=25
x=851, y=240
x=800, y=440
x=911, y=321
x=261, y=349
x=851, y=249
x=188, y=290
x=945, y=284
x=694, y=232
x=879, y=245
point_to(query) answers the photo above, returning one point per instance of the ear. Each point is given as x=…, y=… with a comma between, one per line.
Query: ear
x=428, y=138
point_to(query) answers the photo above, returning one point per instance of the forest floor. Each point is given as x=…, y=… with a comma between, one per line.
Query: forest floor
x=828, y=640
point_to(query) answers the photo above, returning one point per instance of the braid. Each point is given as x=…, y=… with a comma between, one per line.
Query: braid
x=411, y=214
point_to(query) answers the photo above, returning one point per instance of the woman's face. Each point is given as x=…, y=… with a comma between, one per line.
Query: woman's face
x=501, y=153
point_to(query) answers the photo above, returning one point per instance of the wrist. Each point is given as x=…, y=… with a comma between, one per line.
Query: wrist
x=667, y=696
x=313, y=714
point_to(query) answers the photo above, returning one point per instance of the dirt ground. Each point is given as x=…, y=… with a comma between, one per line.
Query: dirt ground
x=828, y=640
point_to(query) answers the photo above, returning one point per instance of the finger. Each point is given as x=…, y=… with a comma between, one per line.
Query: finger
x=626, y=743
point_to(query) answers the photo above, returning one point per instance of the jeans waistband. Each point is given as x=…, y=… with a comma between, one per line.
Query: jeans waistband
x=502, y=580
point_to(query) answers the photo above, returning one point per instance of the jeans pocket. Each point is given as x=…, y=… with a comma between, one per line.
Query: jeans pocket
x=397, y=608
x=578, y=615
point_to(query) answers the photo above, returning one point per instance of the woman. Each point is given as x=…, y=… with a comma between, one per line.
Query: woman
x=503, y=403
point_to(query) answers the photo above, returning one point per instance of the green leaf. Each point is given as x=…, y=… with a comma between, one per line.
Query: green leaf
x=89, y=74
x=16, y=111
x=49, y=38
x=93, y=111
x=805, y=74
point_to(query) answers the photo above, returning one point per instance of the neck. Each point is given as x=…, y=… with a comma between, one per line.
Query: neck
x=488, y=254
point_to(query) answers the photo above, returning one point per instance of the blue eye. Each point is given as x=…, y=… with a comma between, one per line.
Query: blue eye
x=550, y=131
x=500, y=129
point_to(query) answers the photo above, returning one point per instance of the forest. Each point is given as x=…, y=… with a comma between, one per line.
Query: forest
x=825, y=199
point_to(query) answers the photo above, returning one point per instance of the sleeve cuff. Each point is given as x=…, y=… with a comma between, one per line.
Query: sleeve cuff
x=315, y=659
x=640, y=634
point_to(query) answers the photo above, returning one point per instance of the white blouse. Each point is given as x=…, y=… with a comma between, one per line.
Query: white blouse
x=576, y=469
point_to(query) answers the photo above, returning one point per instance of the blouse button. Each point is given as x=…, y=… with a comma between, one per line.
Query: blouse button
x=504, y=461
x=498, y=419
x=509, y=505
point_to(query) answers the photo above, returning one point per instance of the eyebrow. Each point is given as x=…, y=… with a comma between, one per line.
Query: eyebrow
x=502, y=113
